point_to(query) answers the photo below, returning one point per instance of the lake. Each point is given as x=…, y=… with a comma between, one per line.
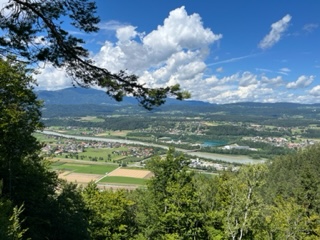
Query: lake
x=213, y=143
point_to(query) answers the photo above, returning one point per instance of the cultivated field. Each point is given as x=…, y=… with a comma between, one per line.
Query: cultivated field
x=105, y=175
x=134, y=173
x=79, y=178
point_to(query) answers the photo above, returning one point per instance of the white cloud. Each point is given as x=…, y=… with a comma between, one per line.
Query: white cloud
x=219, y=70
x=111, y=25
x=176, y=52
x=179, y=31
x=173, y=53
x=247, y=79
x=310, y=27
x=284, y=70
x=275, y=82
x=125, y=34
x=302, y=82
x=315, y=91
x=277, y=30
x=51, y=78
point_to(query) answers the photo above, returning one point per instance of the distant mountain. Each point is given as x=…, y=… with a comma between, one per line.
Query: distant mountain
x=89, y=96
x=80, y=96
x=83, y=102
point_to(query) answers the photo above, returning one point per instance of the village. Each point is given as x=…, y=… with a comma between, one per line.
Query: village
x=72, y=148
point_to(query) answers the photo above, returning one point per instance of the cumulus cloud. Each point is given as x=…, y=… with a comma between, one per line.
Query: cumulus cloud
x=277, y=30
x=247, y=79
x=302, y=82
x=176, y=52
x=125, y=34
x=179, y=31
x=173, y=53
x=275, y=82
x=315, y=91
x=51, y=78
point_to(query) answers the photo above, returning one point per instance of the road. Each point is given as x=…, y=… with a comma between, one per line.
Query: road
x=213, y=156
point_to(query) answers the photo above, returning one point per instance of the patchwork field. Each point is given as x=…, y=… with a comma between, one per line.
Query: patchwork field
x=105, y=175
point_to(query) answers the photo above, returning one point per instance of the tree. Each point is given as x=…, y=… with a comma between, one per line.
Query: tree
x=170, y=207
x=110, y=215
x=27, y=180
x=240, y=201
x=10, y=221
x=32, y=31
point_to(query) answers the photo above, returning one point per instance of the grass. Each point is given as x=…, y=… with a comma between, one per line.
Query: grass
x=84, y=168
x=43, y=138
x=91, y=119
x=124, y=180
x=103, y=152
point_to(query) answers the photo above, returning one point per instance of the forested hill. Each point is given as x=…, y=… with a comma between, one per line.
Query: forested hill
x=78, y=96
x=80, y=101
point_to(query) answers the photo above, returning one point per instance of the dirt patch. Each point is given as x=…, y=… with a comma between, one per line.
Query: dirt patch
x=131, y=173
x=79, y=177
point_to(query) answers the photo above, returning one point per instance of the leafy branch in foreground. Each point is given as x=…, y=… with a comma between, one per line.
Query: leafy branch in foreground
x=33, y=32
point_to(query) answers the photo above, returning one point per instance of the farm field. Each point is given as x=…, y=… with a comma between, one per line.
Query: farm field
x=78, y=167
x=123, y=180
x=105, y=175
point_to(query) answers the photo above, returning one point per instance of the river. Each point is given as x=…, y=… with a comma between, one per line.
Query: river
x=213, y=156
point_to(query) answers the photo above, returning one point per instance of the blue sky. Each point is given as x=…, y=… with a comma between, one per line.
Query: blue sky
x=220, y=51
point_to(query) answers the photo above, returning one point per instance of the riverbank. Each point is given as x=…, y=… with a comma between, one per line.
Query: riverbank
x=241, y=159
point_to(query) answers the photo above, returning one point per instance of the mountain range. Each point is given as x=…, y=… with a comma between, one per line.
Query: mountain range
x=82, y=101
x=79, y=96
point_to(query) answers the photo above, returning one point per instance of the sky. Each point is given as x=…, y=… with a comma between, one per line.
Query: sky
x=220, y=51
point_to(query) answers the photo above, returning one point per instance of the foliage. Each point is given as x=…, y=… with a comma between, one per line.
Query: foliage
x=169, y=208
x=27, y=180
x=111, y=215
x=33, y=31
x=10, y=219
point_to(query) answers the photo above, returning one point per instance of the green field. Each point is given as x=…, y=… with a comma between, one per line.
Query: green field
x=43, y=138
x=93, y=119
x=83, y=167
x=124, y=180
x=103, y=152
